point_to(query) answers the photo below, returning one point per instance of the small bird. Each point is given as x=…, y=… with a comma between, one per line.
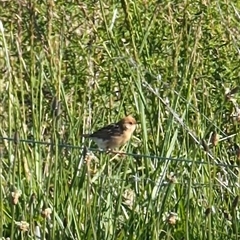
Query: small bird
x=114, y=135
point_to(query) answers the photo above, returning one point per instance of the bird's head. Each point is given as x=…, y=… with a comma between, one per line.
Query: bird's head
x=128, y=123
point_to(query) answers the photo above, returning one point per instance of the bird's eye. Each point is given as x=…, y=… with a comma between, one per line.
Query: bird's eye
x=131, y=123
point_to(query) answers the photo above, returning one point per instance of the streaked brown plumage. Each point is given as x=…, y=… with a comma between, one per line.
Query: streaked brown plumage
x=114, y=135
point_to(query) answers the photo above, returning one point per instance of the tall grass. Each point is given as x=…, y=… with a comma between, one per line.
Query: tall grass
x=69, y=68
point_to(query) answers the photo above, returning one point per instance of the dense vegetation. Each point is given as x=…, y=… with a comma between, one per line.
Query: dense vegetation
x=70, y=67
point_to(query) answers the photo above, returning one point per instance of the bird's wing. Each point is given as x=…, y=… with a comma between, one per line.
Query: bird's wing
x=112, y=130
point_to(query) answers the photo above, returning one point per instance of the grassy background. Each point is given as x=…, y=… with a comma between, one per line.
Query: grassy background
x=68, y=68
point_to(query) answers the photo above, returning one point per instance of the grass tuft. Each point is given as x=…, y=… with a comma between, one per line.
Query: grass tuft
x=69, y=69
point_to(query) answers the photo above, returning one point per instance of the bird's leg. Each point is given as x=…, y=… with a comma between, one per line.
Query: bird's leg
x=119, y=152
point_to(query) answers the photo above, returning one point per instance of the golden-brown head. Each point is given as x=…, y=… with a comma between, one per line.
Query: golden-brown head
x=114, y=135
x=128, y=124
